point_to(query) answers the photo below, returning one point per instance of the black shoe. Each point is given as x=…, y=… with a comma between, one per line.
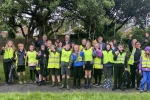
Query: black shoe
x=39, y=83
x=132, y=86
x=121, y=88
x=137, y=88
x=86, y=86
x=114, y=88
x=79, y=87
x=43, y=83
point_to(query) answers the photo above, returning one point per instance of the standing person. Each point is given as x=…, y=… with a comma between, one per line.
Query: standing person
x=32, y=62
x=100, y=41
x=65, y=67
x=9, y=53
x=120, y=65
x=88, y=59
x=113, y=47
x=83, y=44
x=77, y=58
x=107, y=60
x=135, y=48
x=66, y=41
x=54, y=65
x=42, y=42
x=20, y=62
x=98, y=67
x=144, y=69
x=42, y=64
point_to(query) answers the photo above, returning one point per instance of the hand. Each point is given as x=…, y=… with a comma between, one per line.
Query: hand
x=102, y=66
x=3, y=48
x=140, y=71
x=117, y=52
x=15, y=58
x=84, y=66
x=68, y=67
x=36, y=38
x=44, y=55
x=130, y=36
x=39, y=54
x=125, y=69
x=147, y=35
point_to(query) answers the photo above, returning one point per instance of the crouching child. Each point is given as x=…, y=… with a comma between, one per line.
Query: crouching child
x=119, y=67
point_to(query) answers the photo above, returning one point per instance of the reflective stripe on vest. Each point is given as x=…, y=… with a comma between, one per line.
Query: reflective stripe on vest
x=9, y=53
x=145, y=62
x=32, y=57
x=108, y=57
x=54, y=60
x=131, y=59
x=120, y=58
x=88, y=55
x=97, y=63
x=65, y=55
x=79, y=58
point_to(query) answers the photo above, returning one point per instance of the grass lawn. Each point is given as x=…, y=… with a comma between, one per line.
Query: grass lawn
x=74, y=96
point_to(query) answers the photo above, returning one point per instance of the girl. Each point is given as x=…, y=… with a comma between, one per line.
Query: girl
x=65, y=67
x=98, y=67
x=107, y=63
x=42, y=62
x=20, y=62
x=88, y=58
x=9, y=53
x=82, y=46
x=77, y=60
x=144, y=69
x=32, y=62
x=54, y=65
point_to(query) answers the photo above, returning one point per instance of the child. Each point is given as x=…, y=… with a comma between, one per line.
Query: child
x=98, y=67
x=65, y=67
x=32, y=62
x=42, y=64
x=82, y=46
x=144, y=69
x=119, y=67
x=9, y=53
x=20, y=62
x=88, y=58
x=54, y=64
x=107, y=60
x=77, y=60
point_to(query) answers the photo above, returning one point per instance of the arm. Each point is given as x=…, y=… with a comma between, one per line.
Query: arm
x=71, y=60
x=144, y=42
x=140, y=64
x=130, y=45
x=2, y=52
x=126, y=62
x=115, y=56
x=58, y=50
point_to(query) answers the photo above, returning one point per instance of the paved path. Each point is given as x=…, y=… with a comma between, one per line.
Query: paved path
x=48, y=88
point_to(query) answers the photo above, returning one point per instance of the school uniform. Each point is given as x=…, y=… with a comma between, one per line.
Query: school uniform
x=78, y=61
x=107, y=61
x=7, y=62
x=98, y=67
x=120, y=61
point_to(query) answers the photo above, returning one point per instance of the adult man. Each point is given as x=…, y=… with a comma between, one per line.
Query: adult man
x=100, y=41
x=42, y=42
x=67, y=40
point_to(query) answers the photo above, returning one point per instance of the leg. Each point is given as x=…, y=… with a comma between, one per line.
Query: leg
x=99, y=76
x=109, y=77
x=79, y=76
x=132, y=71
x=31, y=78
x=89, y=78
x=121, y=70
x=68, y=77
x=148, y=81
x=63, y=76
x=75, y=77
x=85, y=80
x=143, y=81
x=105, y=77
x=115, y=77
x=40, y=80
x=24, y=74
x=95, y=76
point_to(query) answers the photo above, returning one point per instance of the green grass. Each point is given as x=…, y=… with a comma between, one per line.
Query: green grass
x=74, y=96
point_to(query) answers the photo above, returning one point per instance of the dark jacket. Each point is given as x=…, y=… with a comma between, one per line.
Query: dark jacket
x=64, y=43
x=20, y=58
x=42, y=60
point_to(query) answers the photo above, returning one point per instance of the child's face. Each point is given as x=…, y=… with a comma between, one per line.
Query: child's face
x=96, y=46
x=52, y=48
x=108, y=47
x=60, y=44
x=147, y=51
x=88, y=45
x=120, y=48
x=21, y=47
x=83, y=42
x=9, y=44
x=67, y=47
x=49, y=44
x=76, y=48
x=31, y=48
x=42, y=47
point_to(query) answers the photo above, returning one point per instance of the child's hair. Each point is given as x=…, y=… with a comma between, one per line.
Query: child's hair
x=20, y=45
x=31, y=45
x=121, y=45
x=6, y=46
x=49, y=41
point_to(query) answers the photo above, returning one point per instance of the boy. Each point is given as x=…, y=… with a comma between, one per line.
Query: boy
x=119, y=67
x=20, y=62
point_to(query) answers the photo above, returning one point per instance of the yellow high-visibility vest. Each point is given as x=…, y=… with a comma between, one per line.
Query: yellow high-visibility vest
x=120, y=58
x=9, y=53
x=108, y=57
x=65, y=55
x=88, y=55
x=97, y=63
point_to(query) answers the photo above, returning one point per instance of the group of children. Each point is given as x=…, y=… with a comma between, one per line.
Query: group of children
x=86, y=59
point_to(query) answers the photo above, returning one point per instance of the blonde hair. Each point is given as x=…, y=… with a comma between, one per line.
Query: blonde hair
x=20, y=45
x=6, y=46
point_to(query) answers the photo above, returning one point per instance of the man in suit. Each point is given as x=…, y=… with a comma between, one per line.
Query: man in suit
x=67, y=40
x=101, y=43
